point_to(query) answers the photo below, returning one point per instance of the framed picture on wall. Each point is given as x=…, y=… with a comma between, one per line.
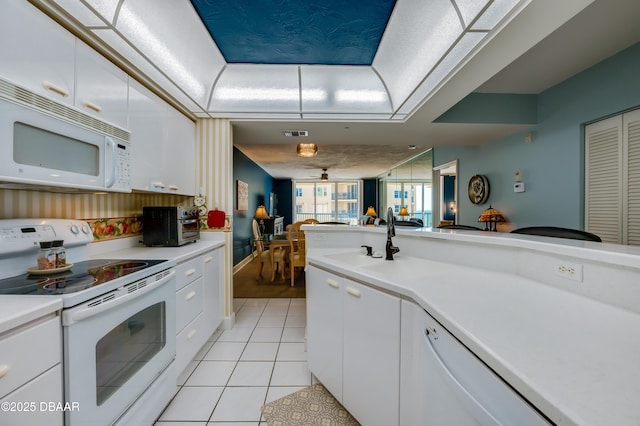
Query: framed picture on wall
x=242, y=195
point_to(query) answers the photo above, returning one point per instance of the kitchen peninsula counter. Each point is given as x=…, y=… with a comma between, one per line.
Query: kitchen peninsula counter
x=567, y=342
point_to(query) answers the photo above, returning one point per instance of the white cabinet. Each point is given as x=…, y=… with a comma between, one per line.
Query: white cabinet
x=358, y=328
x=179, y=154
x=31, y=376
x=101, y=87
x=36, y=52
x=213, y=292
x=324, y=328
x=199, y=309
x=162, y=143
x=443, y=383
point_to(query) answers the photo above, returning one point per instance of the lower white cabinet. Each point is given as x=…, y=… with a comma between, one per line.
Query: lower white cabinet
x=199, y=308
x=443, y=383
x=354, y=345
x=31, y=377
x=324, y=328
x=213, y=291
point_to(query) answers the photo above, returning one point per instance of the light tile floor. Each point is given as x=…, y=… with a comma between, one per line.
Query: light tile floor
x=261, y=359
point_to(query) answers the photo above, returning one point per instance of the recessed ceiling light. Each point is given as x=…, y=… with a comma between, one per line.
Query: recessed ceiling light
x=295, y=133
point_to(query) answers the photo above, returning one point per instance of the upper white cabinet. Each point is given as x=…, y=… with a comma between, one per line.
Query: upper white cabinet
x=179, y=150
x=162, y=143
x=36, y=52
x=40, y=55
x=101, y=87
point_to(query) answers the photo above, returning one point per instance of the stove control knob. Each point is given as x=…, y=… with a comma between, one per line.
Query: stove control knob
x=86, y=229
x=74, y=229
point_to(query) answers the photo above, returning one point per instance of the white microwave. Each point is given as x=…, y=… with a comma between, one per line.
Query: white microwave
x=40, y=147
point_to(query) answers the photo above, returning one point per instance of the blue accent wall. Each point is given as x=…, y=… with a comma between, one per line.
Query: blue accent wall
x=448, y=193
x=284, y=190
x=552, y=165
x=260, y=186
x=369, y=195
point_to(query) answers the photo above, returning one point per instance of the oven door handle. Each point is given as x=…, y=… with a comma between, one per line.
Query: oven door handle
x=72, y=317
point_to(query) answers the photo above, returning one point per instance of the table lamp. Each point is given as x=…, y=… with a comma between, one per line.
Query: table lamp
x=261, y=213
x=491, y=217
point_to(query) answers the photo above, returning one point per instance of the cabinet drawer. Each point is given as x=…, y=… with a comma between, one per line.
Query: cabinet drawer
x=17, y=367
x=42, y=390
x=188, y=272
x=188, y=303
x=189, y=341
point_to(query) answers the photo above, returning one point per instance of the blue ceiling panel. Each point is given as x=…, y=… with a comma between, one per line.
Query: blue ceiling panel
x=329, y=32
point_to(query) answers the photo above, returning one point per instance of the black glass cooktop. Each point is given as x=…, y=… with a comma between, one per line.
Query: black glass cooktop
x=81, y=276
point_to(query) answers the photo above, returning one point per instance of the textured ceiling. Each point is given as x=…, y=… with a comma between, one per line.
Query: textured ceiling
x=331, y=32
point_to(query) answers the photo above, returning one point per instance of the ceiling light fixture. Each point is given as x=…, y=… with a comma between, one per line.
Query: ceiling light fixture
x=307, y=150
x=324, y=175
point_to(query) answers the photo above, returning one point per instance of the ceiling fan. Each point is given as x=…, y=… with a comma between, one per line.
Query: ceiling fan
x=324, y=175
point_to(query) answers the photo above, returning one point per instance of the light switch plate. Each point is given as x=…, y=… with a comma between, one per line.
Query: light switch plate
x=518, y=187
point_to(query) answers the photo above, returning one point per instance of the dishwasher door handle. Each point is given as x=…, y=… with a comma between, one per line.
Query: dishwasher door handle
x=473, y=405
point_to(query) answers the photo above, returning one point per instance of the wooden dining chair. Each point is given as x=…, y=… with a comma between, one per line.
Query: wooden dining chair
x=298, y=254
x=272, y=257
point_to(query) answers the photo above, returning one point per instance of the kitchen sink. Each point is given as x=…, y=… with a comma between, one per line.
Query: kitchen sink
x=355, y=259
x=408, y=267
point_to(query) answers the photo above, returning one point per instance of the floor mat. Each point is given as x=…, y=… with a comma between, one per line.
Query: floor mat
x=311, y=406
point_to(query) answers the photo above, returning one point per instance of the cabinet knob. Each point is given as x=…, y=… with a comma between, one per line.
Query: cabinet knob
x=190, y=295
x=333, y=283
x=353, y=292
x=92, y=106
x=191, y=334
x=55, y=89
x=190, y=272
x=4, y=369
x=208, y=259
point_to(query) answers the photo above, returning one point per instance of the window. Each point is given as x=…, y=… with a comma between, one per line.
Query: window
x=327, y=201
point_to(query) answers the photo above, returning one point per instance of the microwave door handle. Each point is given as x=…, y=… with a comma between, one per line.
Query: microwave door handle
x=112, y=179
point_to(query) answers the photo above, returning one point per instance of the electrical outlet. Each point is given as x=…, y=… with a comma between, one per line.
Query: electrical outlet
x=569, y=270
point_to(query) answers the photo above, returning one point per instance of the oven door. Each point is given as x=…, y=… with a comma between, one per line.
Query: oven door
x=189, y=230
x=115, y=346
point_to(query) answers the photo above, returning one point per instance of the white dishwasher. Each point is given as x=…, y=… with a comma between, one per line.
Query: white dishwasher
x=443, y=383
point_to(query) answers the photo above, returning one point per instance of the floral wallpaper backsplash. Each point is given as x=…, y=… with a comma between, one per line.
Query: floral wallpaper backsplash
x=117, y=227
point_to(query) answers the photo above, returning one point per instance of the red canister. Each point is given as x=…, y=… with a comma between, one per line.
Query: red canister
x=215, y=219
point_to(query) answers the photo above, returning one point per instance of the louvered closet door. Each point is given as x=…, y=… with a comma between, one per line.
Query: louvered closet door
x=631, y=178
x=603, y=179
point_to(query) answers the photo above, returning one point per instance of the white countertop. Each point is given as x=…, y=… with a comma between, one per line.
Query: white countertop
x=16, y=310
x=130, y=249
x=574, y=358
